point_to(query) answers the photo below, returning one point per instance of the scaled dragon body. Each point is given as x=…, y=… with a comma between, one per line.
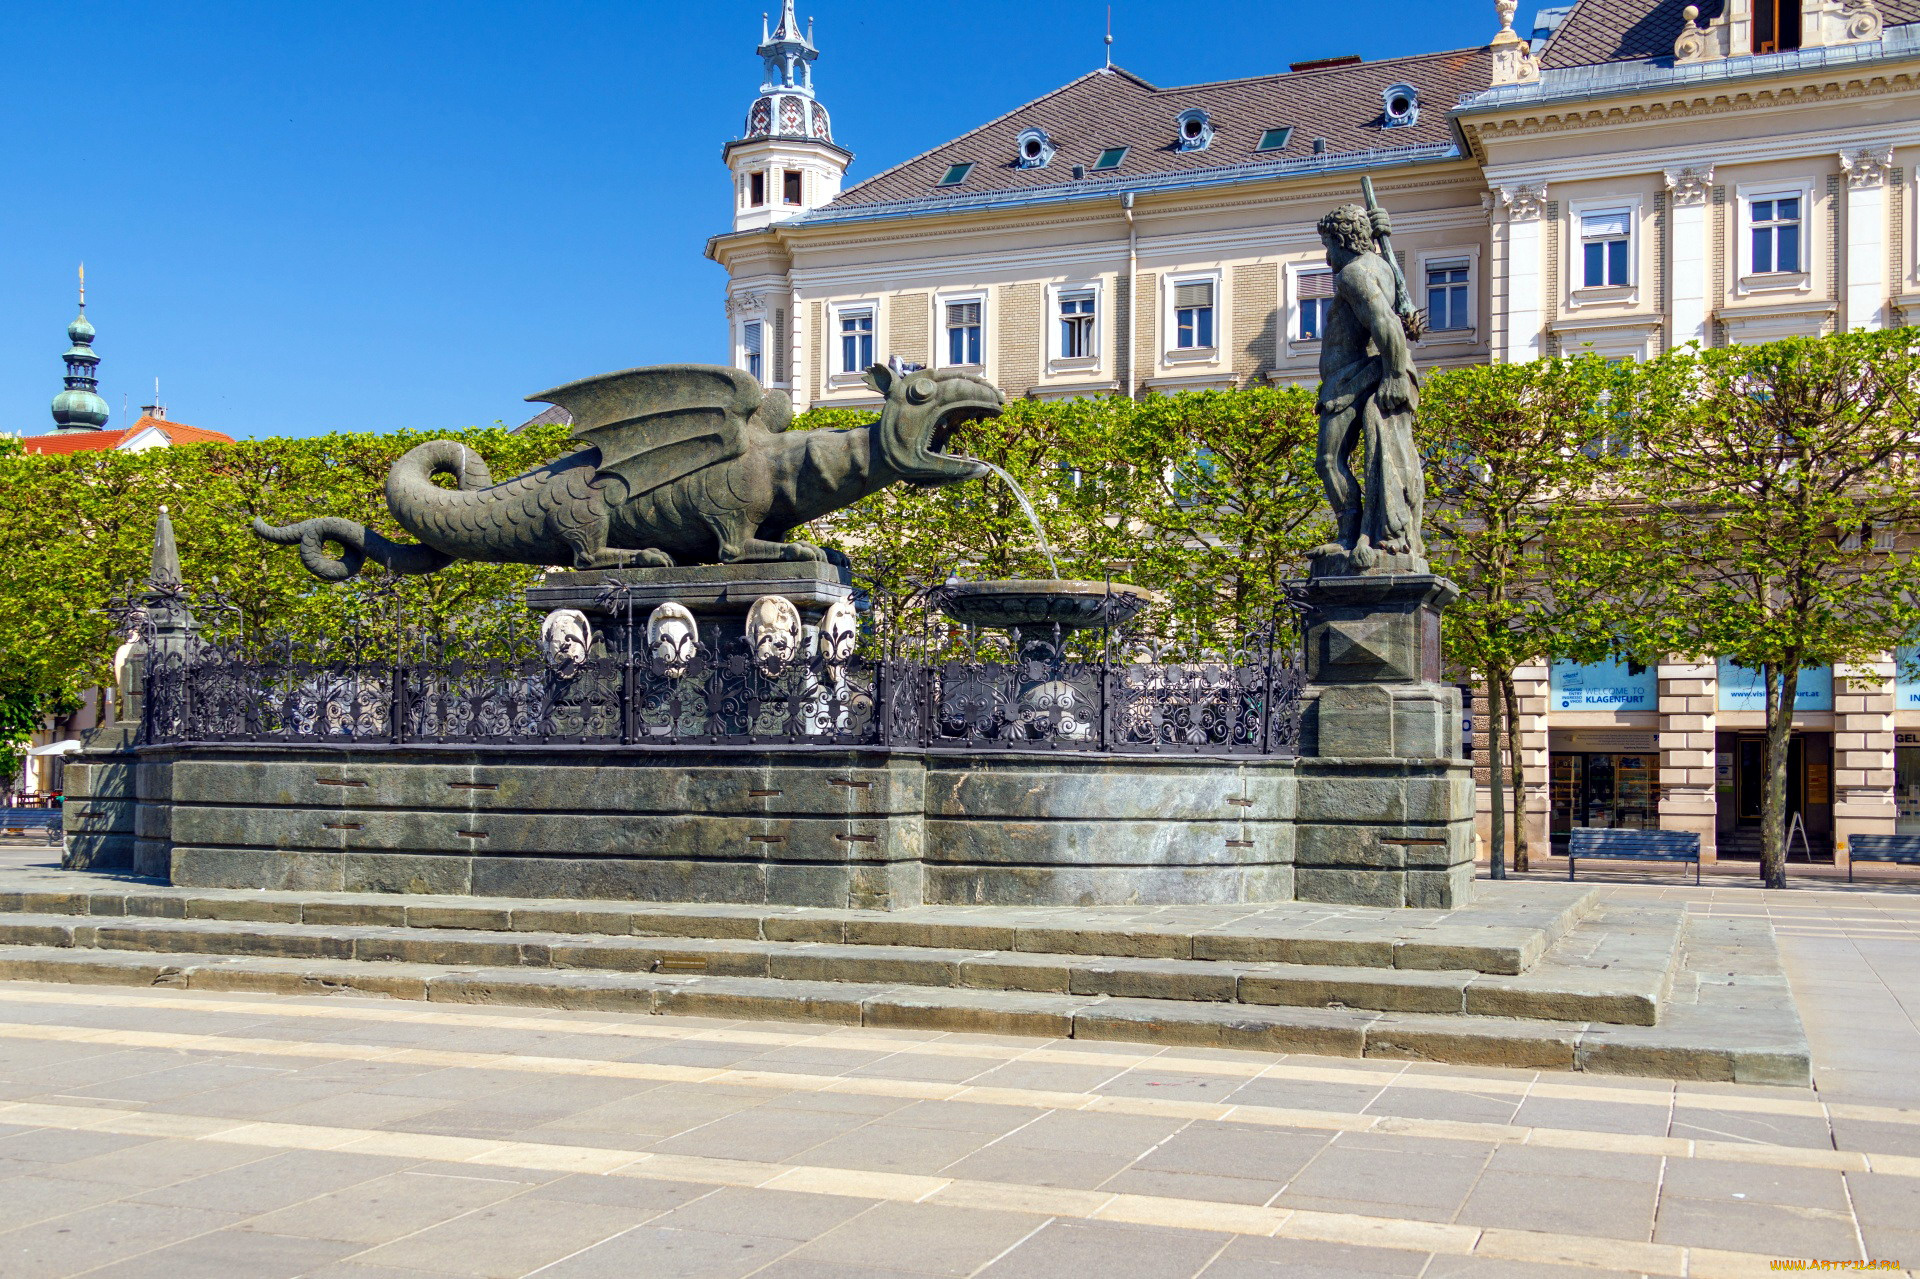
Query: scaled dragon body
x=678, y=464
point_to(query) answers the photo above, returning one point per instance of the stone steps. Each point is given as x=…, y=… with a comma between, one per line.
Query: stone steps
x=1613, y=967
x=1723, y=1031
x=1507, y=936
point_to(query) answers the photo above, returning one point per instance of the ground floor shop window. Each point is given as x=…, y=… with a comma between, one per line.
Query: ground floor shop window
x=1906, y=789
x=1605, y=790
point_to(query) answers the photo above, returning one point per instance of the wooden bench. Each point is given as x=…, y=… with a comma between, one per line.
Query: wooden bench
x=50, y=820
x=1882, y=848
x=1634, y=846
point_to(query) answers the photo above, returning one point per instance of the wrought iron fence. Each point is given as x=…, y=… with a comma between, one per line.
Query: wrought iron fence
x=944, y=687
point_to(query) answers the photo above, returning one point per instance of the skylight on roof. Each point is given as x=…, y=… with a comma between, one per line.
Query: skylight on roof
x=956, y=174
x=1111, y=158
x=1274, y=139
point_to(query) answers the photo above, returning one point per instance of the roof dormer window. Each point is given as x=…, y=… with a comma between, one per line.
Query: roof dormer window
x=1400, y=105
x=956, y=174
x=1035, y=148
x=1194, y=128
x=1111, y=158
x=1274, y=139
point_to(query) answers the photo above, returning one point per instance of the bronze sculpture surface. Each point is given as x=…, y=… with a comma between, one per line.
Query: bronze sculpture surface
x=677, y=464
x=1368, y=395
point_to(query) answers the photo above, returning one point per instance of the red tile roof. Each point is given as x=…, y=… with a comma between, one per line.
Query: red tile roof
x=1341, y=104
x=64, y=442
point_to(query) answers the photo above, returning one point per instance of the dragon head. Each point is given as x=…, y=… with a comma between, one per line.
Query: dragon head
x=923, y=408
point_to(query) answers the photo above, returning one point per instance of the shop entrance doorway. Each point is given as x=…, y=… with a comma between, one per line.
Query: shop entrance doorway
x=1740, y=780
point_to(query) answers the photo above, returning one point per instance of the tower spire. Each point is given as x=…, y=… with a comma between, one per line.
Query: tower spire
x=79, y=407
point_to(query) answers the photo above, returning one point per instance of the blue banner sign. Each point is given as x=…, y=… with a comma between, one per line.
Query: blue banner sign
x=1741, y=689
x=1604, y=686
x=1906, y=678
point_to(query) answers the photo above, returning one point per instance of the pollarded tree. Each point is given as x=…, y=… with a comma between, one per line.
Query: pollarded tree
x=1519, y=457
x=1778, y=477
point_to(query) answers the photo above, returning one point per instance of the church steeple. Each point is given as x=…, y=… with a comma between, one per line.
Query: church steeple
x=786, y=107
x=79, y=407
x=787, y=163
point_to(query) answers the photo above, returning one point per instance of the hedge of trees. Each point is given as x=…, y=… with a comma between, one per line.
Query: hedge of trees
x=1749, y=502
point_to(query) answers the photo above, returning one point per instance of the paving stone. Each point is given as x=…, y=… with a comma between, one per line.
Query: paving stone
x=921, y=1238
x=671, y=1254
x=1107, y=1249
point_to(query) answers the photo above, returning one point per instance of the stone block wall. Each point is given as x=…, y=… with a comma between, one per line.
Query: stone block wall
x=1863, y=746
x=1689, y=709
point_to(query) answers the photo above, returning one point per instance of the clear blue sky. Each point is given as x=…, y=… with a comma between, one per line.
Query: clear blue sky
x=318, y=215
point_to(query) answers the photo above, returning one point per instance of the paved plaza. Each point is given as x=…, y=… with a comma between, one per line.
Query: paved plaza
x=184, y=1133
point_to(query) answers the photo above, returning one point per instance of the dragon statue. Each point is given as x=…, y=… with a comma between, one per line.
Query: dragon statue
x=677, y=464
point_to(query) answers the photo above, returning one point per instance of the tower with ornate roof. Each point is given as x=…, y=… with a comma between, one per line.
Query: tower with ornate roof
x=787, y=162
x=79, y=407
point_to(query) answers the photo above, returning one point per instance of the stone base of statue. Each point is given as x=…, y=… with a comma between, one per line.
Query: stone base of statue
x=1385, y=801
x=718, y=595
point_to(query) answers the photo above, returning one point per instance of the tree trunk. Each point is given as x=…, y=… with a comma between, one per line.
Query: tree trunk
x=1782, y=686
x=1517, y=772
x=1496, y=779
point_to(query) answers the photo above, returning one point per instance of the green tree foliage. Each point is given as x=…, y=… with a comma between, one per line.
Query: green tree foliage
x=1506, y=445
x=1775, y=478
x=81, y=529
x=1207, y=497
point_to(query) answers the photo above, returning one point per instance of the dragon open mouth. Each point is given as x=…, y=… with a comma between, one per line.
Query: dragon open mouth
x=949, y=422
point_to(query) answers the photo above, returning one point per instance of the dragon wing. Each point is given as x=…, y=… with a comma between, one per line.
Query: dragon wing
x=657, y=425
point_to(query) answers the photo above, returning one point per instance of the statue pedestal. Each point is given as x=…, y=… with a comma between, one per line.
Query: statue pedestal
x=718, y=595
x=1386, y=802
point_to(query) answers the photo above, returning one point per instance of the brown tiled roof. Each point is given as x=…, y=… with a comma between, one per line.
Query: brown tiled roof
x=1601, y=31
x=62, y=442
x=1118, y=109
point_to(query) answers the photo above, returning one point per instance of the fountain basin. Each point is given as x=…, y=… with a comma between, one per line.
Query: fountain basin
x=1043, y=603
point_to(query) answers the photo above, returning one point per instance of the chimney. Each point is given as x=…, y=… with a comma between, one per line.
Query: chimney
x=155, y=410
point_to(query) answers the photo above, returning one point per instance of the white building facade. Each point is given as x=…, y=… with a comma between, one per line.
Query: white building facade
x=1632, y=176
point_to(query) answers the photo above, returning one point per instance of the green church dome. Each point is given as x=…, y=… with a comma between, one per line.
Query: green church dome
x=76, y=406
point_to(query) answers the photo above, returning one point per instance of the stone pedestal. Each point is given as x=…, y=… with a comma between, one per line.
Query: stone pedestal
x=718, y=595
x=1386, y=803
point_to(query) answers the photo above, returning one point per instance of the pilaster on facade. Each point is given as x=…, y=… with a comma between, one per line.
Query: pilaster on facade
x=1863, y=753
x=1531, y=693
x=1691, y=252
x=1869, y=171
x=1519, y=235
x=1686, y=738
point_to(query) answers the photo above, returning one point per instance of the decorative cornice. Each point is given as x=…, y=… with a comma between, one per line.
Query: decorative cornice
x=1867, y=166
x=1581, y=111
x=1690, y=184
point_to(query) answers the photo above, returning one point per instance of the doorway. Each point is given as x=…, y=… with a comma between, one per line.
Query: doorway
x=1740, y=782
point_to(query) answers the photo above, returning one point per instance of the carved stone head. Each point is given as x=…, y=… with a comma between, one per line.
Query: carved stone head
x=565, y=637
x=773, y=632
x=839, y=632
x=672, y=636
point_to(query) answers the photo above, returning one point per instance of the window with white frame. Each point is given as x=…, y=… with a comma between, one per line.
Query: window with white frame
x=1447, y=294
x=1774, y=233
x=752, y=344
x=963, y=324
x=1606, y=240
x=1312, y=297
x=1076, y=324
x=856, y=339
x=1193, y=315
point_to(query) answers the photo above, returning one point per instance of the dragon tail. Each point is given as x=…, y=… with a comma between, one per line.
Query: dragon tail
x=357, y=544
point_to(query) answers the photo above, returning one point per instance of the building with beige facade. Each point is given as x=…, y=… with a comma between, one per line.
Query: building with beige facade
x=1628, y=176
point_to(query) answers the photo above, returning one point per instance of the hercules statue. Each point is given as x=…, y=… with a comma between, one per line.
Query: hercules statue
x=1368, y=394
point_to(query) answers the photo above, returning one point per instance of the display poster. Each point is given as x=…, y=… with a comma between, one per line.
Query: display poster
x=1741, y=689
x=1819, y=784
x=1906, y=678
x=1604, y=686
